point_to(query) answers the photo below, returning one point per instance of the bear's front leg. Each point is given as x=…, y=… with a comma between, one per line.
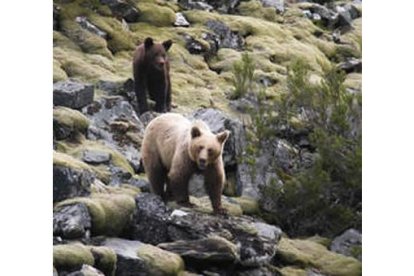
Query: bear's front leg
x=178, y=186
x=141, y=94
x=214, y=181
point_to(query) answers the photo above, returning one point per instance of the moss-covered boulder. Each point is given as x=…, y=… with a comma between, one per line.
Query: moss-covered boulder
x=74, y=256
x=67, y=122
x=308, y=254
x=156, y=15
x=105, y=259
x=110, y=213
x=70, y=257
x=144, y=259
x=71, y=178
x=249, y=205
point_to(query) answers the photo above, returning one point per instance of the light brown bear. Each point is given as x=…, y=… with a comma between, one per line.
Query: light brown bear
x=173, y=149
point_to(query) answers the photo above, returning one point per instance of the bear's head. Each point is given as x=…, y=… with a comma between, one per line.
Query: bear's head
x=206, y=147
x=156, y=53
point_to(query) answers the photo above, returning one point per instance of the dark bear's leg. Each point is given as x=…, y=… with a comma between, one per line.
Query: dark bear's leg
x=160, y=101
x=213, y=183
x=141, y=93
x=168, y=101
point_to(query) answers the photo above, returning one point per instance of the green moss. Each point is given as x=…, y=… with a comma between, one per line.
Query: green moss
x=71, y=118
x=119, y=38
x=354, y=81
x=305, y=254
x=203, y=204
x=255, y=8
x=65, y=160
x=105, y=259
x=160, y=262
x=249, y=205
x=71, y=256
x=58, y=73
x=110, y=213
x=321, y=240
x=77, y=150
x=156, y=15
x=292, y=271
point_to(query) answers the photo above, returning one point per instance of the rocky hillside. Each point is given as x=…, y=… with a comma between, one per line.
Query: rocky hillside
x=105, y=221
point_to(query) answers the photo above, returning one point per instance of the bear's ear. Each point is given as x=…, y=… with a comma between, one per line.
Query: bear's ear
x=167, y=44
x=148, y=42
x=222, y=136
x=195, y=132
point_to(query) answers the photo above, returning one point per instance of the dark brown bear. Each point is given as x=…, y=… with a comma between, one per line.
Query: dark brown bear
x=151, y=75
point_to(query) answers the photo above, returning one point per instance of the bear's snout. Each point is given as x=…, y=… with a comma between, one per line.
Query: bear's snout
x=202, y=163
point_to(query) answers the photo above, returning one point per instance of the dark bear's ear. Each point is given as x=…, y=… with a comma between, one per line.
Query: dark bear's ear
x=222, y=136
x=148, y=42
x=167, y=44
x=195, y=132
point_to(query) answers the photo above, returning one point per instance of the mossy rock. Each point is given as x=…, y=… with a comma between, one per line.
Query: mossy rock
x=71, y=257
x=77, y=148
x=58, y=73
x=292, y=271
x=160, y=262
x=309, y=254
x=321, y=240
x=203, y=204
x=254, y=8
x=249, y=205
x=110, y=213
x=155, y=14
x=105, y=259
x=70, y=118
x=65, y=160
x=353, y=81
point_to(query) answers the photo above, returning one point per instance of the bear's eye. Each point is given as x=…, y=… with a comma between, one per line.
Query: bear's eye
x=200, y=147
x=210, y=151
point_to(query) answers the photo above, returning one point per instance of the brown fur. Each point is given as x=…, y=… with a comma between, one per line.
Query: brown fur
x=151, y=70
x=174, y=149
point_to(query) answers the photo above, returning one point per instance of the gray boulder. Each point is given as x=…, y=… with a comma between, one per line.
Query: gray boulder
x=348, y=243
x=228, y=38
x=96, y=157
x=69, y=182
x=114, y=121
x=87, y=25
x=222, y=6
x=149, y=223
x=72, y=221
x=72, y=94
x=351, y=65
x=180, y=20
x=122, y=9
x=279, y=5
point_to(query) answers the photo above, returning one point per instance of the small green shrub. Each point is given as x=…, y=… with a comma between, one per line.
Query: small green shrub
x=243, y=74
x=326, y=198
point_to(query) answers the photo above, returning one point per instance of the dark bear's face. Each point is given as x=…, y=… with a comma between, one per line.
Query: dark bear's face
x=206, y=147
x=156, y=53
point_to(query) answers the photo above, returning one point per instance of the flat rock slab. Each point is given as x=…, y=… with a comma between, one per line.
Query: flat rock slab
x=72, y=94
x=96, y=157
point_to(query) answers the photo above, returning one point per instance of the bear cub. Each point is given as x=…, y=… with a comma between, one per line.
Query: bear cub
x=173, y=149
x=151, y=71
